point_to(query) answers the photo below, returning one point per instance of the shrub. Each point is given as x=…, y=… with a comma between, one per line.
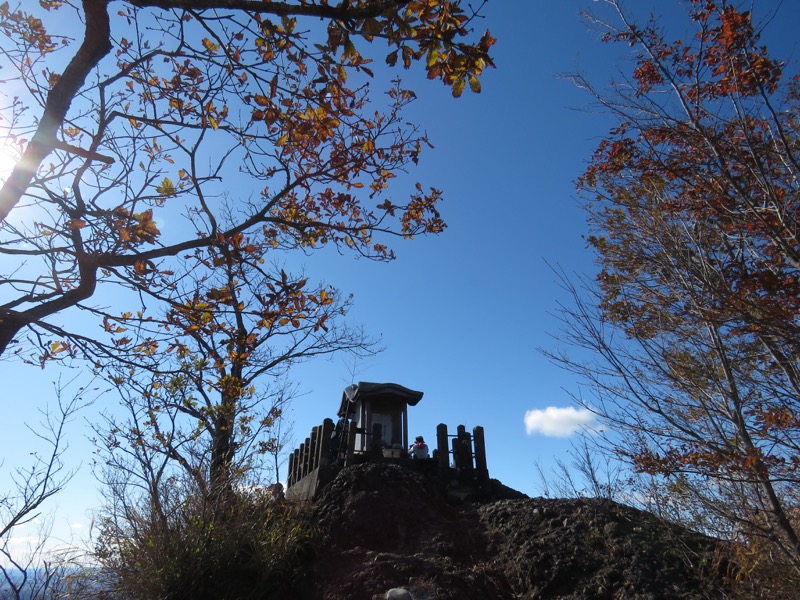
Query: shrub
x=253, y=548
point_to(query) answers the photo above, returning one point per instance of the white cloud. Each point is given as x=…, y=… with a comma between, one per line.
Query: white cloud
x=557, y=422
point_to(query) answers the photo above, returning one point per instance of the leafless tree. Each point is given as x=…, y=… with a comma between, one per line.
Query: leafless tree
x=34, y=569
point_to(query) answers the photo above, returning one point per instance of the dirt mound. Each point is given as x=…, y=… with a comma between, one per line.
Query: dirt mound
x=386, y=527
x=399, y=505
x=387, y=532
x=591, y=548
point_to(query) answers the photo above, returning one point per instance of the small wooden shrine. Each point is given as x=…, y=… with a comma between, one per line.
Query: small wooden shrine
x=368, y=405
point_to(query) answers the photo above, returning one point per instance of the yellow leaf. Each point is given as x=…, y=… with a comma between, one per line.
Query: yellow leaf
x=210, y=46
x=458, y=87
x=167, y=188
x=474, y=84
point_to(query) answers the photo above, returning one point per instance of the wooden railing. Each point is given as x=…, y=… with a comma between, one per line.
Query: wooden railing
x=469, y=455
x=327, y=446
x=315, y=451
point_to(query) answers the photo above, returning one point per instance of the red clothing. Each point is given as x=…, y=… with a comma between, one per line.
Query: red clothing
x=419, y=450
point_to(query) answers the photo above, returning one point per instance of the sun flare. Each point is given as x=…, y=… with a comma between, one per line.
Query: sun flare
x=8, y=158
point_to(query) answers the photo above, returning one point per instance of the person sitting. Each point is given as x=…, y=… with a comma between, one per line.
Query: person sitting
x=419, y=449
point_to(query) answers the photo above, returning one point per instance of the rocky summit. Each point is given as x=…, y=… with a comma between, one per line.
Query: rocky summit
x=385, y=532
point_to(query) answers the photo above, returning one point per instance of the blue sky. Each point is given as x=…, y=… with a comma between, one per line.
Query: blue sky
x=461, y=315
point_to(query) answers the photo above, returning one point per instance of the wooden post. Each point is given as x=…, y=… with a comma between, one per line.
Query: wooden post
x=297, y=463
x=480, y=458
x=456, y=454
x=313, y=448
x=462, y=453
x=377, y=434
x=350, y=431
x=307, y=457
x=324, y=456
x=466, y=447
x=442, y=451
x=405, y=428
x=301, y=471
x=462, y=459
x=290, y=474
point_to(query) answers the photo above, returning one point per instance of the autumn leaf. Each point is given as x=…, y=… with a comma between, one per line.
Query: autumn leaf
x=433, y=56
x=458, y=87
x=76, y=224
x=58, y=347
x=166, y=188
x=210, y=46
x=474, y=84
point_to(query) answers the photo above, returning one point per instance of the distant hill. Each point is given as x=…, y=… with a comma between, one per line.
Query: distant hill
x=66, y=582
